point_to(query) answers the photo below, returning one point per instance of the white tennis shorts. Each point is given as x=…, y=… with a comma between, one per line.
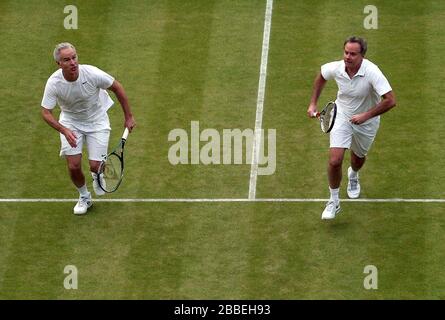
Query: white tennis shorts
x=358, y=138
x=96, y=142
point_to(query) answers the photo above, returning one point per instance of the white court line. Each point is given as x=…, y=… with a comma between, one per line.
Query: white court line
x=160, y=200
x=260, y=101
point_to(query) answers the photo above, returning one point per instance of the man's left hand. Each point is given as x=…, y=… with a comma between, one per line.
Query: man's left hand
x=359, y=118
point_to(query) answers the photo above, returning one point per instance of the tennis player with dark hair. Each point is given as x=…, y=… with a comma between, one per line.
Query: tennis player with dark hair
x=363, y=95
x=80, y=92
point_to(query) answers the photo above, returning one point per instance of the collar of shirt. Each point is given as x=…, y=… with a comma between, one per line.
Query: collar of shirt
x=360, y=72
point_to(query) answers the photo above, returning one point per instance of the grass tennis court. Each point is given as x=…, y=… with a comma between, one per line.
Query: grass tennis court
x=183, y=61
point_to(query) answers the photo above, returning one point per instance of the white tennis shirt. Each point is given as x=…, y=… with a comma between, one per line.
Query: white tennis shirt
x=84, y=102
x=362, y=92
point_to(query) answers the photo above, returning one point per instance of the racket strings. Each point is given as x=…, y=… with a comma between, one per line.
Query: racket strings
x=327, y=116
x=112, y=172
x=325, y=119
x=111, y=169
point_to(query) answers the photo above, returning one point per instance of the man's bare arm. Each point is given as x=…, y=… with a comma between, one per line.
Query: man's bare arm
x=48, y=116
x=119, y=91
x=319, y=84
x=387, y=103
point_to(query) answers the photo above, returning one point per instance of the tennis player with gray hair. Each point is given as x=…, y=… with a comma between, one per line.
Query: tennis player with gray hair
x=363, y=95
x=80, y=90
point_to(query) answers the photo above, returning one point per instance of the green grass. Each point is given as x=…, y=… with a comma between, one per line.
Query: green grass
x=199, y=61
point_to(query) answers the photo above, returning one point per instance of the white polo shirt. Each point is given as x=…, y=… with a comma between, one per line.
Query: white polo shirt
x=84, y=102
x=359, y=94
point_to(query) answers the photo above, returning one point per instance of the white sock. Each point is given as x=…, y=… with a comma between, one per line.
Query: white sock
x=83, y=191
x=353, y=174
x=94, y=175
x=334, y=194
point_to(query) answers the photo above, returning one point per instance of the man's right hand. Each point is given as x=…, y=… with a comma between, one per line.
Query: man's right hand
x=312, y=110
x=47, y=115
x=70, y=137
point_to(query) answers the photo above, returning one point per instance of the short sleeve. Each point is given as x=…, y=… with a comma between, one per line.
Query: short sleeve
x=102, y=79
x=380, y=83
x=49, y=100
x=328, y=70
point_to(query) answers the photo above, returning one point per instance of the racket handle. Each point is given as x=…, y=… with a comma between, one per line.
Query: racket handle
x=315, y=114
x=125, y=135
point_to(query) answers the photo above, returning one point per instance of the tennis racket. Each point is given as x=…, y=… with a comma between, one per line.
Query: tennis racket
x=111, y=169
x=327, y=116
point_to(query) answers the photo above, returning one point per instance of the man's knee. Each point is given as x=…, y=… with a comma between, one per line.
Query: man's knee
x=335, y=161
x=336, y=158
x=94, y=166
x=74, y=167
x=74, y=164
x=356, y=160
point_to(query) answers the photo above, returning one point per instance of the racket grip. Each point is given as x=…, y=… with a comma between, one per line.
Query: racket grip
x=315, y=114
x=125, y=135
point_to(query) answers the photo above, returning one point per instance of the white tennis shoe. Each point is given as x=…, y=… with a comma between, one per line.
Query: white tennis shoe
x=83, y=204
x=353, y=185
x=331, y=210
x=96, y=187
